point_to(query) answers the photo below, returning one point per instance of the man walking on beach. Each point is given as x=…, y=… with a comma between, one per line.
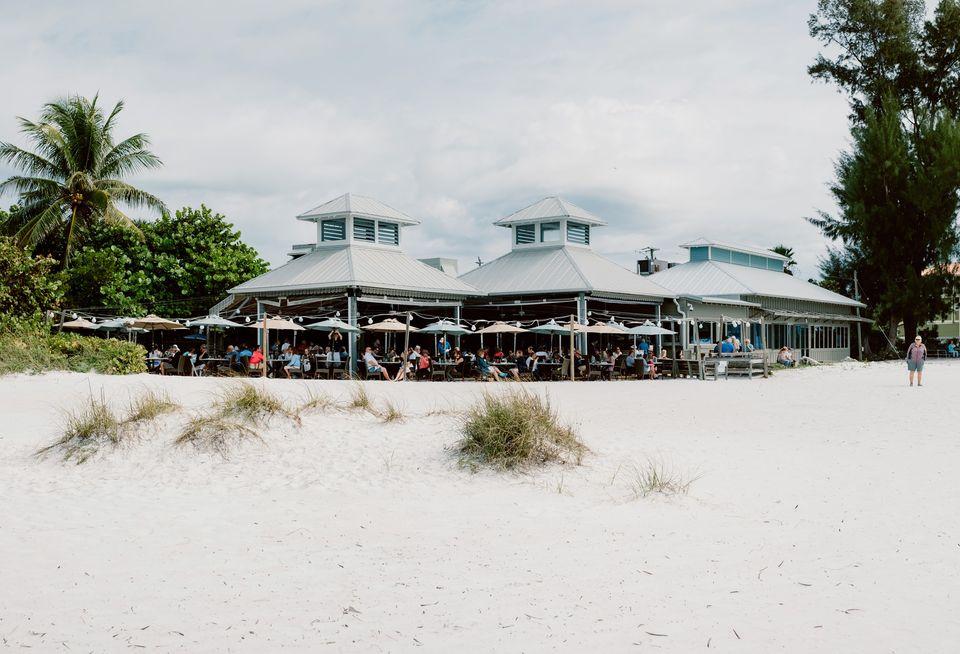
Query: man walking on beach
x=916, y=355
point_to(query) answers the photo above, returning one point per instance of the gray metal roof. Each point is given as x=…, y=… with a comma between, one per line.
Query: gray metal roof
x=551, y=207
x=357, y=205
x=357, y=266
x=560, y=269
x=749, y=249
x=713, y=278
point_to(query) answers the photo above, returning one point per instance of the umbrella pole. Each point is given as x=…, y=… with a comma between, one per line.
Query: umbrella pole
x=406, y=341
x=266, y=346
x=573, y=362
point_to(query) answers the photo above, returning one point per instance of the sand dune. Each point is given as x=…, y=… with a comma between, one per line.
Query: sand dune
x=825, y=519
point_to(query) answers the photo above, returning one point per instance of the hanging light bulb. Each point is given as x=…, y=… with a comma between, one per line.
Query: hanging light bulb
x=74, y=316
x=247, y=320
x=659, y=324
x=369, y=321
x=337, y=314
x=518, y=323
x=300, y=319
x=473, y=328
x=188, y=323
x=700, y=325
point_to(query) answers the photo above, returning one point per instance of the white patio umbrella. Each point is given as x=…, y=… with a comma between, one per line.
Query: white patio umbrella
x=390, y=325
x=500, y=327
x=153, y=322
x=550, y=329
x=648, y=329
x=80, y=323
x=214, y=321
x=445, y=328
x=331, y=324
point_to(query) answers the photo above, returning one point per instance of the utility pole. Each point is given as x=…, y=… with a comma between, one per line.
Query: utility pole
x=856, y=296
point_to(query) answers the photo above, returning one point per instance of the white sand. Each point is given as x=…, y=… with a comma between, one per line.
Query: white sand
x=825, y=520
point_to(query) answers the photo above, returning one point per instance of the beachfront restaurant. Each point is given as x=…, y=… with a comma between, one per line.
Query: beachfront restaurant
x=734, y=290
x=356, y=271
x=552, y=273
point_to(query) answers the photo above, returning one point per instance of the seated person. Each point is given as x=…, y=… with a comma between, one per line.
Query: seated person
x=294, y=363
x=631, y=359
x=154, y=359
x=174, y=364
x=200, y=362
x=424, y=365
x=785, y=357
x=373, y=366
x=256, y=359
x=727, y=346
x=952, y=350
x=487, y=370
x=747, y=345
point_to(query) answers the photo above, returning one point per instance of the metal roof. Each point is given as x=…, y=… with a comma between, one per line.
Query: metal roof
x=749, y=249
x=560, y=269
x=357, y=266
x=713, y=278
x=782, y=313
x=550, y=208
x=357, y=205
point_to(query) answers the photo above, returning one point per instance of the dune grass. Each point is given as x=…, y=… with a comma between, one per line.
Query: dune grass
x=86, y=431
x=95, y=425
x=391, y=412
x=149, y=406
x=654, y=476
x=215, y=433
x=517, y=429
x=316, y=402
x=359, y=398
x=248, y=403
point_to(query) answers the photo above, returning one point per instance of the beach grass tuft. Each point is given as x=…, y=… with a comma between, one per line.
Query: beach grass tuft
x=391, y=412
x=654, y=476
x=517, y=429
x=359, y=398
x=86, y=431
x=215, y=433
x=247, y=403
x=149, y=406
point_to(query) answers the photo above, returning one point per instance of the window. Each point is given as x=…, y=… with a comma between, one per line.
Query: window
x=773, y=264
x=388, y=233
x=720, y=254
x=550, y=232
x=578, y=233
x=363, y=230
x=741, y=258
x=699, y=254
x=526, y=234
x=333, y=230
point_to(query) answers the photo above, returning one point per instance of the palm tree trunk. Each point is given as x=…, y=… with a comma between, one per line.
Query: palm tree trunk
x=66, y=249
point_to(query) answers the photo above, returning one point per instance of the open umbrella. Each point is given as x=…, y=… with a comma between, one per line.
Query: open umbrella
x=79, y=323
x=501, y=327
x=214, y=321
x=550, y=329
x=390, y=325
x=331, y=324
x=156, y=323
x=445, y=328
x=648, y=329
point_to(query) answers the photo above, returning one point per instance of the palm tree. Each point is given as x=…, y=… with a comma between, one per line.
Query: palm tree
x=74, y=174
x=784, y=251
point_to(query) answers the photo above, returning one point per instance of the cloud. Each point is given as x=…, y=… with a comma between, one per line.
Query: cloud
x=670, y=121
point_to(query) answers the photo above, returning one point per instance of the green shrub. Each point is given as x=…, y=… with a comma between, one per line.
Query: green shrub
x=28, y=346
x=517, y=429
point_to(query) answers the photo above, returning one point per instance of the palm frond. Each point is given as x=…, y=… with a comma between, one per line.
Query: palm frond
x=27, y=186
x=120, y=191
x=40, y=225
x=29, y=162
x=129, y=156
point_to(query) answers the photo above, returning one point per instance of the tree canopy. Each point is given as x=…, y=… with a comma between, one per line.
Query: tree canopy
x=897, y=188
x=28, y=285
x=181, y=265
x=74, y=173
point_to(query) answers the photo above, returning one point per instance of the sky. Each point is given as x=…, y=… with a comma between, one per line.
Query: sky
x=672, y=121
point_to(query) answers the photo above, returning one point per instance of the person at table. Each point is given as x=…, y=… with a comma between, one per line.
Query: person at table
x=631, y=361
x=173, y=365
x=155, y=359
x=256, y=359
x=373, y=366
x=532, y=363
x=407, y=365
x=334, y=360
x=727, y=346
x=606, y=363
x=486, y=368
x=200, y=361
x=294, y=362
x=747, y=345
x=652, y=365
x=424, y=365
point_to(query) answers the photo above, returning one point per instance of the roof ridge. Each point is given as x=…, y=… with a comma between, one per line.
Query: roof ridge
x=583, y=277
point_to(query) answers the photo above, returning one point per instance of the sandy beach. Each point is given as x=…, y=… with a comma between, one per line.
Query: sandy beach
x=824, y=519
